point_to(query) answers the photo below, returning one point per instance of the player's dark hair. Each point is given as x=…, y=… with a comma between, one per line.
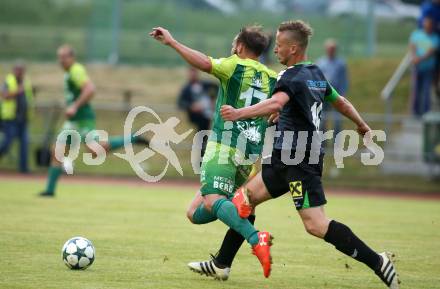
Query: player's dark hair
x=299, y=30
x=253, y=38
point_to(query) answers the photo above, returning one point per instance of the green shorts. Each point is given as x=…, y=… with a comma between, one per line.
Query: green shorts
x=220, y=173
x=83, y=127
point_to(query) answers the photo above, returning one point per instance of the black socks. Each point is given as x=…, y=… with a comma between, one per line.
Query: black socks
x=348, y=243
x=338, y=235
x=230, y=246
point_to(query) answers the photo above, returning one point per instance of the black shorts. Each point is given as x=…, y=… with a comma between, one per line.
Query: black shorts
x=303, y=181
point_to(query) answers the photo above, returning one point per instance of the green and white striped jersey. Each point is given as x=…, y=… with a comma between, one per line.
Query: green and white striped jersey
x=243, y=82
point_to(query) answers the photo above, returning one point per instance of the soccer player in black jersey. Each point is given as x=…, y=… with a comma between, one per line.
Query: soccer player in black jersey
x=296, y=103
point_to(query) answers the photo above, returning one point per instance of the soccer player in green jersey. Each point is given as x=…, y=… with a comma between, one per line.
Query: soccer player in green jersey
x=80, y=115
x=243, y=82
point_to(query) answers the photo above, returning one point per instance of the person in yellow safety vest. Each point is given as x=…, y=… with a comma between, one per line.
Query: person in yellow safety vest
x=16, y=102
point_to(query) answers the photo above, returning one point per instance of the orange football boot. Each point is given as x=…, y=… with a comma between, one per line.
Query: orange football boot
x=241, y=202
x=262, y=251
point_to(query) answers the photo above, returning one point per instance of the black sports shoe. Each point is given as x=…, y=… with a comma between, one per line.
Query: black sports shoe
x=46, y=194
x=142, y=141
x=387, y=272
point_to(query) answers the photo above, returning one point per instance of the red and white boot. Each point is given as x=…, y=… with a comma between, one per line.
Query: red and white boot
x=262, y=251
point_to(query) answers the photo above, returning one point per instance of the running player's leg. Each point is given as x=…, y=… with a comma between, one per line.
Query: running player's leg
x=219, y=266
x=83, y=128
x=113, y=143
x=218, y=185
x=309, y=199
x=226, y=212
x=342, y=237
x=217, y=178
x=233, y=240
x=266, y=185
x=55, y=169
x=339, y=235
x=53, y=174
x=257, y=193
x=117, y=142
x=219, y=181
x=197, y=213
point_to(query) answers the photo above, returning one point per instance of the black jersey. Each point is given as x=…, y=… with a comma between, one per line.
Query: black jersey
x=307, y=89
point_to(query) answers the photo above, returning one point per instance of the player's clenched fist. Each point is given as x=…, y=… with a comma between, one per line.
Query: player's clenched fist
x=273, y=118
x=229, y=113
x=162, y=35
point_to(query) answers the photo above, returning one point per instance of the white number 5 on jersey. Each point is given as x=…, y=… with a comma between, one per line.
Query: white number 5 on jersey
x=249, y=94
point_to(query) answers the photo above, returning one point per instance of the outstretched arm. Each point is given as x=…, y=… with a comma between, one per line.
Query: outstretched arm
x=345, y=107
x=193, y=57
x=266, y=107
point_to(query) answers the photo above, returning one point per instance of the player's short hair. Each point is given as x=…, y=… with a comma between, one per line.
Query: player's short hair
x=68, y=48
x=299, y=31
x=253, y=38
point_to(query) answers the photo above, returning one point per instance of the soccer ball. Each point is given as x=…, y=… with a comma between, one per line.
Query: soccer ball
x=78, y=253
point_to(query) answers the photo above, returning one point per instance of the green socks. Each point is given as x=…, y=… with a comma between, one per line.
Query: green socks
x=227, y=213
x=203, y=216
x=52, y=179
x=117, y=142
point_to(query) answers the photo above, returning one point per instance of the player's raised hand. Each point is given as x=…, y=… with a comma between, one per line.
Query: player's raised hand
x=229, y=113
x=162, y=35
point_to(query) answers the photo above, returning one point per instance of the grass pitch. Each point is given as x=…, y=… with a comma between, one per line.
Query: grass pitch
x=143, y=240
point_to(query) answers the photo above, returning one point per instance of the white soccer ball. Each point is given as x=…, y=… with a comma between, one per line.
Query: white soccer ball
x=78, y=253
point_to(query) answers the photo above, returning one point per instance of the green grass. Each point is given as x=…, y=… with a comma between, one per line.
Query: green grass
x=144, y=241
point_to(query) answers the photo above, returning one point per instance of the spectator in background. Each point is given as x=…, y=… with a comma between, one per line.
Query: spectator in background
x=16, y=101
x=196, y=98
x=423, y=46
x=431, y=9
x=335, y=70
